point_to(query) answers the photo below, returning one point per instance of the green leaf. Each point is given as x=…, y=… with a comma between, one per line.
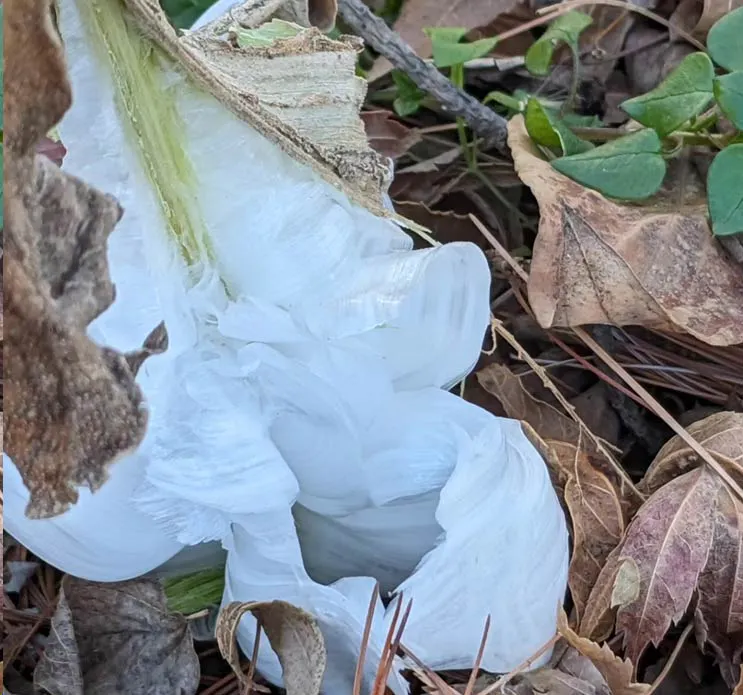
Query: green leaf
x=629, y=168
x=723, y=41
x=729, y=95
x=545, y=128
x=725, y=191
x=685, y=93
x=567, y=29
x=448, y=51
x=266, y=34
x=409, y=95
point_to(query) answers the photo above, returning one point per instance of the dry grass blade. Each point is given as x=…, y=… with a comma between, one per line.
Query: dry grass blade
x=503, y=680
x=476, y=667
x=358, y=675
x=565, y=7
x=660, y=411
x=443, y=687
x=671, y=659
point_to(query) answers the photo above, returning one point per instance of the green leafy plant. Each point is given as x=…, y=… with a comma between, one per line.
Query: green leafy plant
x=449, y=52
x=685, y=110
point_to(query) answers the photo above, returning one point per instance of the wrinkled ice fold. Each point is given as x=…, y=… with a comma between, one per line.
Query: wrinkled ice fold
x=298, y=415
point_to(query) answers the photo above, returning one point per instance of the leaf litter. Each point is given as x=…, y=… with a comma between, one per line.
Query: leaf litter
x=639, y=573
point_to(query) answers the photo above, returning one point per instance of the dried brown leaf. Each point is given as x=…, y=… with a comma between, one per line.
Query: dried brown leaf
x=596, y=261
x=617, y=672
x=73, y=407
x=117, y=638
x=387, y=135
x=553, y=427
x=712, y=11
x=719, y=611
x=598, y=522
x=669, y=541
x=294, y=636
x=721, y=434
x=549, y=423
x=445, y=226
x=550, y=681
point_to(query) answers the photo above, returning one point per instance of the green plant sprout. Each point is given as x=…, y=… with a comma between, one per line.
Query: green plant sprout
x=449, y=52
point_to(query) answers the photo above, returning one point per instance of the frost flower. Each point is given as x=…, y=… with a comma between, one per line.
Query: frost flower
x=300, y=414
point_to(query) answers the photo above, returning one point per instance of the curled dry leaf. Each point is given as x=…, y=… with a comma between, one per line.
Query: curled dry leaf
x=387, y=135
x=117, y=638
x=597, y=519
x=712, y=11
x=553, y=426
x=596, y=261
x=73, y=407
x=669, y=541
x=618, y=672
x=293, y=634
x=721, y=434
x=551, y=681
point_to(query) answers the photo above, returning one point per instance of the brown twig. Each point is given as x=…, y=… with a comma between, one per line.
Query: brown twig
x=484, y=122
x=671, y=659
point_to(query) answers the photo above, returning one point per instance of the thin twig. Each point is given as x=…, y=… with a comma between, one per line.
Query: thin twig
x=542, y=373
x=484, y=122
x=652, y=404
x=564, y=7
x=671, y=659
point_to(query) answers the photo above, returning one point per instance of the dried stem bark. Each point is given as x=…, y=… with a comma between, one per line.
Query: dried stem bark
x=484, y=122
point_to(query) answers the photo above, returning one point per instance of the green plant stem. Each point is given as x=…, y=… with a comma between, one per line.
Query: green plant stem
x=457, y=77
x=706, y=120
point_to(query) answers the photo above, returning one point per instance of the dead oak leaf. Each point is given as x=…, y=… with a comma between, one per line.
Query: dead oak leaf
x=721, y=434
x=294, y=636
x=596, y=261
x=73, y=407
x=618, y=672
x=669, y=541
x=117, y=639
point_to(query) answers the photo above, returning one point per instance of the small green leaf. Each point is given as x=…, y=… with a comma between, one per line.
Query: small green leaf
x=723, y=41
x=448, y=51
x=545, y=128
x=629, y=168
x=266, y=34
x=566, y=28
x=729, y=95
x=725, y=191
x=409, y=95
x=507, y=100
x=685, y=93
